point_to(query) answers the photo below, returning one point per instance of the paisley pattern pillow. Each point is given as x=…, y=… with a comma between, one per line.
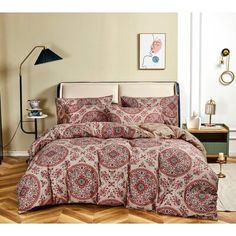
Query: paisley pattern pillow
x=87, y=113
x=120, y=114
x=69, y=110
x=169, y=106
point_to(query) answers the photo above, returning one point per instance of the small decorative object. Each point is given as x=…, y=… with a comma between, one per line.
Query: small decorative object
x=210, y=110
x=34, y=110
x=34, y=103
x=194, y=122
x=221, y=160
x=221, y=156
x=152, y=51
x=35, y=113
x=225, y=52
x=227, y=77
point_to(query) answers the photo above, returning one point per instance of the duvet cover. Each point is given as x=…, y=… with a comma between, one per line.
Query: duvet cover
x=149, y=166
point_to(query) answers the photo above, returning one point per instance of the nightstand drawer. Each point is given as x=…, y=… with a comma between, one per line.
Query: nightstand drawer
x=212, y=137
x=216, y=147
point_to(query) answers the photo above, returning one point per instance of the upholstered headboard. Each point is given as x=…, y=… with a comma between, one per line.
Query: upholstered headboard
x=117, y=89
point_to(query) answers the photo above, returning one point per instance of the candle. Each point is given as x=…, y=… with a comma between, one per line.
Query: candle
x=221, y=156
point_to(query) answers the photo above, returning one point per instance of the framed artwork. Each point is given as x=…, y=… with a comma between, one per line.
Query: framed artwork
x=152, y=47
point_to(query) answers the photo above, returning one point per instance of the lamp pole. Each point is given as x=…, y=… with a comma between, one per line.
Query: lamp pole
x=21, y=105
x=46, y=55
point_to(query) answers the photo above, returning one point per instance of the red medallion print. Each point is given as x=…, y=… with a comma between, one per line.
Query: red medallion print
x=94, y=116
x=174, y=162
x=154, y=118
x=168, y=211
x=110, y=130
x=110, y=202
x=131, y=110
x=67, y=107
x=169, y=105
x=144, y=143
x=143, y=187
x=114, y=156
x=28, y=191
x=52, y=155
x=129, y=102
x=82, y=181
x=76, y=131
x=84, y=142
x=200, y=195
x=146, y=166
x=114, y=118
x=134, y=115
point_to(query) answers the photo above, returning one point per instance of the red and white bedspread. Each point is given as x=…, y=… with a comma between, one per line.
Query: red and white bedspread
x=148, y=166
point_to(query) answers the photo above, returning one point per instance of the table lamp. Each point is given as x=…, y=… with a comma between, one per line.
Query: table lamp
x=210, y=109
x=46, y=55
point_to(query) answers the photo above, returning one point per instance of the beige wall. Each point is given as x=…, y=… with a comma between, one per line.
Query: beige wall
x=2, y=52
x=99, y=47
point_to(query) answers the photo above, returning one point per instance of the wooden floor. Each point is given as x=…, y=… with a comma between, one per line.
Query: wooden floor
x=13, y=168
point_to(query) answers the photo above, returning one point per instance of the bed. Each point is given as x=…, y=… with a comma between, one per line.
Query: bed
x=119, y=143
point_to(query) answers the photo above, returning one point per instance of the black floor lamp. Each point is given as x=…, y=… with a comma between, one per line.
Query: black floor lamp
x=46, y=55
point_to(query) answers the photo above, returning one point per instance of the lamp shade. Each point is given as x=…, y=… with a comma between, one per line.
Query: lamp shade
x=210, y=107
x=47, y=55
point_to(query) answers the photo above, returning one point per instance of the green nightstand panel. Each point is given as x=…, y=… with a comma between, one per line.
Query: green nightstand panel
x=215, y=141
x=216, y=147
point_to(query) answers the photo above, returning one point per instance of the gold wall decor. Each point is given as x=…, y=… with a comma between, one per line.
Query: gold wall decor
x=227, y=77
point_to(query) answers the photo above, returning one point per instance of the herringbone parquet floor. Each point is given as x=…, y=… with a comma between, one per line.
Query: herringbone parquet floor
x=13, y=168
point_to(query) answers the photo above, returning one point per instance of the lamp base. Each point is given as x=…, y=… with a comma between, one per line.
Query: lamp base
x=221, y=162
x=221, y=175
x=210, y=125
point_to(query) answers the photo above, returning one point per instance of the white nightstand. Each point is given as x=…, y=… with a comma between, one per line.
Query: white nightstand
x=35, y=122
x=38, y=117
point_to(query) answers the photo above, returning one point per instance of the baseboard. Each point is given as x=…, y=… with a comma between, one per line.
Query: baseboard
x=16, y=153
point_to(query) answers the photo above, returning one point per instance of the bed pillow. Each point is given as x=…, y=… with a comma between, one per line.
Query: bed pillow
x=69, y=110
x=120, y=114
x=87, y=113
x=169, y=106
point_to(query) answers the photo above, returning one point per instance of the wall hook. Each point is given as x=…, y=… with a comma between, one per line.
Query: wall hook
x=227, y=77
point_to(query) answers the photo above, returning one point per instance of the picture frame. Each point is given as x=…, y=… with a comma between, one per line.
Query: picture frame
x=152, y=51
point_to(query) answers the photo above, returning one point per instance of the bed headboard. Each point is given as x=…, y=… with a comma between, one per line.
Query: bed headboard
x=117, y=89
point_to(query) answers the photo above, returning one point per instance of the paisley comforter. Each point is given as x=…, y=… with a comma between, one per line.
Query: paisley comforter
x=145, y=166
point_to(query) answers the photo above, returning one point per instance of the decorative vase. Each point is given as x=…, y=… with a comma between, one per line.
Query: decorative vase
x=34, y=103
x=194, y=122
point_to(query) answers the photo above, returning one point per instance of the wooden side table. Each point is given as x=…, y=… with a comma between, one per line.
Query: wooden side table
x=215, y=139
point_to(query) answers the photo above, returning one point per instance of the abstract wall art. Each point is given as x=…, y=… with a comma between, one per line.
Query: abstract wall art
x=152, y=51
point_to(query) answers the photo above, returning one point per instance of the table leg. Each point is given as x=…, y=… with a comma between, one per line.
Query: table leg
x=35, y=129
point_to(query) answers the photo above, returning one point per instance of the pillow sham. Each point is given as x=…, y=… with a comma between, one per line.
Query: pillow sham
x=69, y=108
x=169, y=106
x=120, y=114
x=87, y=113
